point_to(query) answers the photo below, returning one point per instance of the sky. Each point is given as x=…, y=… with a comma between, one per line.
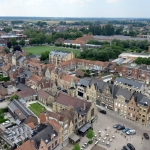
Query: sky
x=76, y=8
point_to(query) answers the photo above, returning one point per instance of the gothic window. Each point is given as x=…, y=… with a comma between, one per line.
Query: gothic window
x=92, y=112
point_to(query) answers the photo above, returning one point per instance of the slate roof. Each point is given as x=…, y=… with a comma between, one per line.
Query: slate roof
x=84, y=81
x=72, y=101
x=45, y=135
x=132, y=83
x=145, y=68
x=138, y=96
x=125, y=93
x=145, y=101
x=16, y=105
x=21, y=86
x=26, y=73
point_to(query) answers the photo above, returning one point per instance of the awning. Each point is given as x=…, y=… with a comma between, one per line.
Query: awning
x=85, y=127
x=73, y=137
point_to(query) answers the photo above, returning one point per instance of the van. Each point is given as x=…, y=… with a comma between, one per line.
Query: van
x=131, y=132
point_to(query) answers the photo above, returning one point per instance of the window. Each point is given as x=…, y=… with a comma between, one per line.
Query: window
x=128, y=113
x=129, y=107
x=143, y=120
x=55, y=142
x=144, y=116
x=49, y=148
x=52, y=145
x=76, y=126
x=76, y=120
x=144, y=110
x=92, y=112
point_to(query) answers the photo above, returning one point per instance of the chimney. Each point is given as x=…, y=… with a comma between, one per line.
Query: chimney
x=42, y=110
x=84, y=106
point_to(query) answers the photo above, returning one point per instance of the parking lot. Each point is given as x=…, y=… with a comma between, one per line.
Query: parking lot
x=11, y=119
x=4, y=103
x=105, y=124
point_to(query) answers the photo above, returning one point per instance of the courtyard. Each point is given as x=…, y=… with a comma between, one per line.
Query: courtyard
x=36, y=108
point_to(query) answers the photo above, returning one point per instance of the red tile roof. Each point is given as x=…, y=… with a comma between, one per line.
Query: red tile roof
x=25, y=93
x=31, y=125
x=28, y=145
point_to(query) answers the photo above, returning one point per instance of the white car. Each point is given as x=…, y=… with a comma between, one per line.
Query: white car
x=131, y=132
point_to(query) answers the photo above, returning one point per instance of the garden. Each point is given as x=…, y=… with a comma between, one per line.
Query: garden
x=36, y=108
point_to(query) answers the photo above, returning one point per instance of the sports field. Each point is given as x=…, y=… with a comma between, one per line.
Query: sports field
x=39, y=49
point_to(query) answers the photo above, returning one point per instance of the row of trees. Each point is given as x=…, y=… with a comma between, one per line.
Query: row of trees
x=131, y=44
x=96, y=42
x=141, y=60
x=98, y=30
x=107, y=52
x=39, y=37
x=13, y=42
x=41, y=23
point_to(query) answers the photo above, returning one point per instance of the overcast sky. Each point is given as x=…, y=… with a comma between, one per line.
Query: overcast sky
x=76, y=8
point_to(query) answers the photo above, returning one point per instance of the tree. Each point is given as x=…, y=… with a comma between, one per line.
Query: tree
x=44, y=56
x=16, y=97
x=90, y=134
x=6, y=50
x=17, y=48
x=76, y=147
x=22, y=42
x=13, y=41
x=7, y=30
x=9, y=44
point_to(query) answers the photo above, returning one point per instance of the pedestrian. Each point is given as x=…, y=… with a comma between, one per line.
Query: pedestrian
x=142, y=138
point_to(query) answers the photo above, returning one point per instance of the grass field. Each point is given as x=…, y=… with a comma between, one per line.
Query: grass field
x=36, y=108
x=40, y=49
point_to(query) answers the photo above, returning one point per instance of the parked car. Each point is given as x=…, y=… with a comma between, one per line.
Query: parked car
x=131, y=146
x=131, y=132
x=125, y=130
x=64, y=91
x=116, y=125
x=146, y=136
x=126, y=148
x=120, y=128
x=59, y=88
x=102, y=111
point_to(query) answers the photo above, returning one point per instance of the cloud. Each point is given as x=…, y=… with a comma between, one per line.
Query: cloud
x=77, y=1
x=112, y=1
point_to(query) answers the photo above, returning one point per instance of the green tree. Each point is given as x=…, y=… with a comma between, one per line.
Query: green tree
x=44, y=56
x=6, y=50
x=90, y=134
x=14, y=97
x=7, y=30
x=22, y=42
x=13, y=41
x=76, y=147
x=9, y=44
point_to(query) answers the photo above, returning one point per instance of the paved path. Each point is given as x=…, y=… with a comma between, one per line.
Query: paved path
x=4, y=103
